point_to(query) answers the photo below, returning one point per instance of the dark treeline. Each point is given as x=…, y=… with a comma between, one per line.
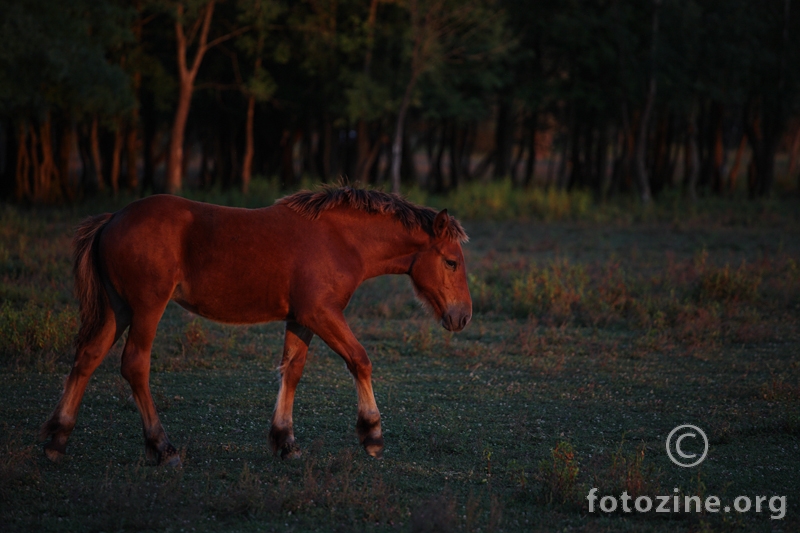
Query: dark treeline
x=618, y=97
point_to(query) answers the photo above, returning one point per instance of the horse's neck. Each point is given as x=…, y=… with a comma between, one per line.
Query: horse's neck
x=386, y=247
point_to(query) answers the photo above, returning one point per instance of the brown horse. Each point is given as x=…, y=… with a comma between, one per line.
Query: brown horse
x=299, y=261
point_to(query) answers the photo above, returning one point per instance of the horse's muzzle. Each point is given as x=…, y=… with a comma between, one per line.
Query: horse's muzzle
x=456, y=319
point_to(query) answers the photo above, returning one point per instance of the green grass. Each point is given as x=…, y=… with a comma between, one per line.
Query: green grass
x=593, y=337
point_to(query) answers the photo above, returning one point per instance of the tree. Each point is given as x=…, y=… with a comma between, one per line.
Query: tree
x=440, y=31
x=260, y=15
x=192, y=21
x=644, y=123
x=54, y=71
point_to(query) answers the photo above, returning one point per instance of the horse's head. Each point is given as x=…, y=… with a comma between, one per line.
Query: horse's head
x=440, y=276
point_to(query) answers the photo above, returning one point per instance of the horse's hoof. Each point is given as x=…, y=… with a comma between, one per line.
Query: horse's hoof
x=54, y=455
x=55, y=450
x=172, y=461
x=374, y=446
x=291, y=451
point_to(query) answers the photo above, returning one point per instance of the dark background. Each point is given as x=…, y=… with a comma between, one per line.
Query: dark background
x=609, y=96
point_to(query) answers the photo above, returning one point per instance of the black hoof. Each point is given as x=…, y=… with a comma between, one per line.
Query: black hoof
x=290, y=450
x=369, y=434
x=167, y=455
x=173, y=461
x=55, y=451
x=56, y=436
x=281, y=440
x=374, y=446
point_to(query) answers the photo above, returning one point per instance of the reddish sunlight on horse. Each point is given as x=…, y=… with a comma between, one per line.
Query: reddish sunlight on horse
x=299, y=261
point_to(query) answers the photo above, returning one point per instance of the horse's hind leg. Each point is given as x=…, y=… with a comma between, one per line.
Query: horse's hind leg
x=136, y=369
x=295, y=349
x=87, y=358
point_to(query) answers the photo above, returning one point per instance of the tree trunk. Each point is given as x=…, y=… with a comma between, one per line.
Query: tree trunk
x=22, y=188
x=97, y=161
x=717, y=148
x=205, y=173
x=362, y=148
x=456, y=147
x=132, y=174
x=517, y=158
x=430, y=147
x=466, y=154
x=530, y=164
x=673, y=149
x=397, y=142
x=561, y=173
x=660, y=153
x=249, y=148
x=644, y=123
x=408, y=170
x=45, y=172
x=186, y=77
x=149, y=133
x=65, y=158
x=641, y=145
x=235, y=170
x=174, y=177
x=247, y=160
x=327, y=145
x=794, y=149
x=601, y=161
x=503, y=135
x=438, y=172
x=116, y=158
x=737, y=163
x=576, y=174
x=365, y=170
x=587, y=161
x=287, y=159
x=8, y=176
x=762, y=132
x=692, y=158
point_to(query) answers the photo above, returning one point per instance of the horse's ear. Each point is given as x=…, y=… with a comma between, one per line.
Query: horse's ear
x=440, y=224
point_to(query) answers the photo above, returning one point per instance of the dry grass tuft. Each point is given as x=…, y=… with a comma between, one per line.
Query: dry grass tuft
x=559, y=475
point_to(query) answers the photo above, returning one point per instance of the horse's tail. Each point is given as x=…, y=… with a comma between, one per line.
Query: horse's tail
x=92, y=299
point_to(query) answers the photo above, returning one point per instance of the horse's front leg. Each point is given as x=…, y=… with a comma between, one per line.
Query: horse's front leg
x=333, y=329
x=295, y=349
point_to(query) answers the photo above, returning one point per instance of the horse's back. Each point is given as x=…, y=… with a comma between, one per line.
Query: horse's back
x=227, y=264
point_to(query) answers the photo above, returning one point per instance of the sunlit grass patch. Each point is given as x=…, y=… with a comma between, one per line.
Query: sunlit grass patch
x=34, y=335
x=559, y=475
x=500, y=200
x=728, y=285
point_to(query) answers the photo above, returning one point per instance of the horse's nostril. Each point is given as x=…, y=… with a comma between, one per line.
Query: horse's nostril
x=464, y=321
x=447, y=322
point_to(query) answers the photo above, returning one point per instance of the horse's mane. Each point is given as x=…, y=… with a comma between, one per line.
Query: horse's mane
x=311, y=204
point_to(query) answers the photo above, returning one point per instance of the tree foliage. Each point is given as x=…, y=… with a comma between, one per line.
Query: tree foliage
x=606, y=95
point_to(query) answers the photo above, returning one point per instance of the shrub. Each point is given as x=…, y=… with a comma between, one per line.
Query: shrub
x=555, y=291
x=727, y=285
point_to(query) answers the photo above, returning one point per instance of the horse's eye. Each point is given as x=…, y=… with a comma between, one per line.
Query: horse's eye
x=450, y=264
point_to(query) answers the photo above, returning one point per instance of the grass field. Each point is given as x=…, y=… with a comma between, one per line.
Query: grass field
x=590, y=342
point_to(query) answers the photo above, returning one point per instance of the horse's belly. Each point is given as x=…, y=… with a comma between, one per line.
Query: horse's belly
x=232, y=307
